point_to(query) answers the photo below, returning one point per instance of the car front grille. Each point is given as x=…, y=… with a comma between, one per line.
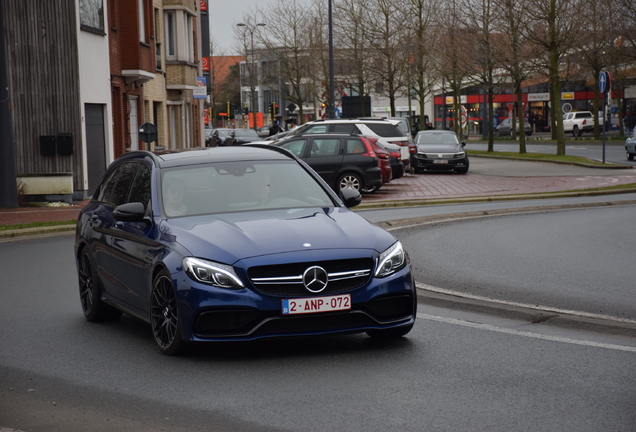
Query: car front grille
x=287, y=279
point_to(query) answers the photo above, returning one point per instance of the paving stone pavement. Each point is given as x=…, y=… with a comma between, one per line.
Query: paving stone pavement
x=511, y=178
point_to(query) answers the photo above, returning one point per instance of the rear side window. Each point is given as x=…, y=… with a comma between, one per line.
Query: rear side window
x=325, y=147
x=354, y=146
x=385, y=130
x=584, y=115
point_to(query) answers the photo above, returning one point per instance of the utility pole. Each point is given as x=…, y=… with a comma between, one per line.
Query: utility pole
x=251, y=71
x=331, y=113
x=8, y=186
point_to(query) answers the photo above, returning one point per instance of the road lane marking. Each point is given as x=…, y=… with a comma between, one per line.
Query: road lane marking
x=460, y=294
x=489, y=327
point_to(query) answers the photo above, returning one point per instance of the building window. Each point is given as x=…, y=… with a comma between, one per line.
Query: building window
x=179, y=38
x=170, y=41
x=92, y=14
x=142, y=21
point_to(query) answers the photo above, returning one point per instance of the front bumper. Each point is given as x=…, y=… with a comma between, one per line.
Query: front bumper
x=215, y=314
x=419, y=162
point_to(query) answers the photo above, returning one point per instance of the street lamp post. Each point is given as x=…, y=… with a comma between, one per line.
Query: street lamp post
x=251, y=29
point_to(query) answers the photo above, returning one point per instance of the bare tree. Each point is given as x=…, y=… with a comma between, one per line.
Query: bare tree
x=287, y=39
x=386, y=36
x=420, y=16
x=454, y=59
x=515, y=54
x=553, y=27
x=351, y=21
x=482, y=26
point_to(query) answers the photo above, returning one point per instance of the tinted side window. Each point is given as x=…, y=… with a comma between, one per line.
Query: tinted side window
x=354, y=146
x=107, y=185
x=116, y=190
x=297, y=147
x=584, y=115
x=140, y=191
x=346, y=128
x=385, y=130
x=325, y=147
x=317, y=129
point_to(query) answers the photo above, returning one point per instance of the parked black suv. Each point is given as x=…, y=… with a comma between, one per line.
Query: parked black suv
x=343, y=161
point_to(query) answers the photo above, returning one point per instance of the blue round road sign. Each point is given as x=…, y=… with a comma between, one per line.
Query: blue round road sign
x=604, y=82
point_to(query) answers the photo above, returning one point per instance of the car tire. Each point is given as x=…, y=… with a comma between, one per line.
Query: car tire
x=351, y=181
x=630, y=156
x=90, y=293
x=164, y=316
x=392, y=333
x=371, y=189
x=576, y=132
x=464, y=169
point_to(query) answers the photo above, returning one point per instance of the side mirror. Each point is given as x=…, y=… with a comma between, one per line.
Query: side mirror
x=463, y=143
x=350, y=197
x=131, y=212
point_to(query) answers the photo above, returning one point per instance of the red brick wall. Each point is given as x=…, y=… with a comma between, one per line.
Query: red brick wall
x=127, y=52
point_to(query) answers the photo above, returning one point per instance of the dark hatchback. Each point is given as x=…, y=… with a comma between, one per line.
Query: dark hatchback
x=343, y=161
x=439, y=150
x=240, y=243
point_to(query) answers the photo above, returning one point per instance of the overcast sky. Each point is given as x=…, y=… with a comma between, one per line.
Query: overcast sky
x=224, y=15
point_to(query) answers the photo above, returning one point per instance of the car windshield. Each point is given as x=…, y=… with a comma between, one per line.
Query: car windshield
x=437, y=138
x=222, y=133
x=239, y=186
x=385, y=130
x=246, y=133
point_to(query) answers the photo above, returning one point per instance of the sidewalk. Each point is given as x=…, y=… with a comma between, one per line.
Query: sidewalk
x=487, y=178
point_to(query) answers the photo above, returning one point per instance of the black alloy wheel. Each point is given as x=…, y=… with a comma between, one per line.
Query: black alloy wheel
x=164, y=316
x=92, y=306
x=630, y=156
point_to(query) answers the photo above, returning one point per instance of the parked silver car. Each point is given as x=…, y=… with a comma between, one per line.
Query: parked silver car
x=630, y=146
x=505, y=127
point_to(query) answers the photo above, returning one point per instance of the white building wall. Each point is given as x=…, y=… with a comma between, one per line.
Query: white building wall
x=94, y=73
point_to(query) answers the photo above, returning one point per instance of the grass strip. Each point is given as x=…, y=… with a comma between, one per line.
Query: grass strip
x=538, y=156
x=36, y=225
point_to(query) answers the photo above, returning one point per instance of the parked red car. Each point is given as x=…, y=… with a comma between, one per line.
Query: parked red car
x=384, y=163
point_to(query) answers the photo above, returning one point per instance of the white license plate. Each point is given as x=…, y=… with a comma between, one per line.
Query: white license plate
x=316, y=304
x=440, y=161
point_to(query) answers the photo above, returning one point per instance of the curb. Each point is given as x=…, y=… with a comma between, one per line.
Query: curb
x=562, y=319
x=469, y=200
x=581, y=164
x=36, y=231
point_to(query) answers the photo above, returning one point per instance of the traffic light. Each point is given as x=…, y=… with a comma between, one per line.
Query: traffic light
x=275, y=109
x=246, y=110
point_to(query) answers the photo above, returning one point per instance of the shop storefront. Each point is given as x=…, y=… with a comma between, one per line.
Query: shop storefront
x=536, y=108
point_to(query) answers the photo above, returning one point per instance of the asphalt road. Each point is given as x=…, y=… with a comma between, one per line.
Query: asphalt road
x=453, y=371
x=614, y=150
x=578, y=260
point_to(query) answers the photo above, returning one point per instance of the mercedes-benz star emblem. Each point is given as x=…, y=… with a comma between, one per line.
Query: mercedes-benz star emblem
x=315, y=279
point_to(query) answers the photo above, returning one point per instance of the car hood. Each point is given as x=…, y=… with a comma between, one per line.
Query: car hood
x=439, y=148
x=230, y=237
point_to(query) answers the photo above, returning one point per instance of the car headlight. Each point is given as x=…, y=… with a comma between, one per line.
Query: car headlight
x=391, y=260
x=460, y=155
x=212, y=273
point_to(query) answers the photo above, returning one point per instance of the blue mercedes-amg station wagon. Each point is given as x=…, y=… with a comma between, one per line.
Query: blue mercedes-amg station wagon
x=236, y=243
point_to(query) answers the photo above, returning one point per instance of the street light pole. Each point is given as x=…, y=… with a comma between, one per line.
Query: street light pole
x=253, y=107
x=332, y=93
